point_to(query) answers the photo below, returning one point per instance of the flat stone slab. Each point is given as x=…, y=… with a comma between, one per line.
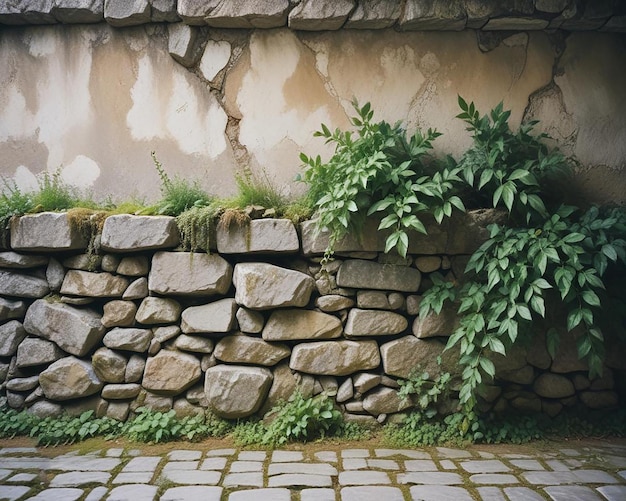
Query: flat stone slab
x=193, y=477
x=128, y=233
x=363, y=478
x=64, y=493
x=308, y=468
x=261, y=495
x=493, y=478
x=371, y=493
x=572, y=492
x=261, y=236
x=73, y=478
x=46, y=232
x=488, y=466
x=252, y=479
x=430, y=478
x=300, y=479
x=361, y=274
x=439, y=493
x=192, y=493
x=136, y=492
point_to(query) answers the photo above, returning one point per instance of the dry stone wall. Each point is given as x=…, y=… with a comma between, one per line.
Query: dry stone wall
x=235, y=331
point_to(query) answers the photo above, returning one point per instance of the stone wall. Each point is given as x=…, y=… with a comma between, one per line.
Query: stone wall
x=146, y=324
x=91, y=87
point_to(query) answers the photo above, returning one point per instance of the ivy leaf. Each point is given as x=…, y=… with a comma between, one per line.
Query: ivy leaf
x=591, y=298
x=524, y=312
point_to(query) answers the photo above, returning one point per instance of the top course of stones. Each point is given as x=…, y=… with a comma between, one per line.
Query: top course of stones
x=320, y=15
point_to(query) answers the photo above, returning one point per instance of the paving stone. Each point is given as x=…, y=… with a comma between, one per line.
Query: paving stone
x=136, y=492
x=371, y=494
x=181, y=465
x=254, y=479
x=594, y=477
x=66, y=494
x=83, y=463
x=570, y=452
x=355, y=453
x=569, y=477
x=193, y=477
x=486, y=455
x=308, y=468
x=261, y=495
x=557, y=465
x=354, y=463
x=97, y=493
x=439, y=493
x=491, y=494
x=13, y=492
x=317, y=495
x=493, y=478
x=114, y=453
x=489, y=466
x=613, y=492
x=213, y=464
x=431, y=478
x=287, y=456
x=383, y=453
x=363, y=478
x=382, y=464
x=20, y=477
x=522, y=494
x=138, y=477
x=623, y=474
x=221, y=452
x=192, y=493
x=184, y=455
x=245, y=466
x=420, y=465
x=448, y=453
x=571, y=493
x=252, y=456
x=329, y=456
x=446, y=464
x=527, y=464
x=300, y=479
x=78, y=478
x=143, y=463
x=17, y=450
x=25, y=463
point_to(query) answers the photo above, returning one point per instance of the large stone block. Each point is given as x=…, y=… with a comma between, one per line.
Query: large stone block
x=163, y=11
x=78, y=11
x=127, y=233
x=433, y=15
x=20, y=285
x=110, y=366
x=10, y=259
x=69, y=378
x=361, y=274
x=234, y=391
x=171, y=372
x=189, y=274
x=158, y=310
x=437, y=325
x=260, y=286
x=374, y=323
x=374, y=14
x=550, y=385
x=74, y=330
x=292, y=324
x=34, y=351
x=122, y=13
x=260, y=236
x=26, y=12
x=401, y=357
x=318, y=15
x=250, y=350
x=283, y=385
x=12, y=334
x=89, y=284
x=249, y=14
x=47, y=231
x=384, y=401
x=185, y=43
x=218, y=316
x=335, y=358
x=128, y=339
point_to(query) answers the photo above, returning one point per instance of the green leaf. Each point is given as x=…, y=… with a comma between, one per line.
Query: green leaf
x=609, y=251
x=496, y=346
x=574, y=318
x=488, y=367
x=591, y=298
x=524, y=312
x=537, y=303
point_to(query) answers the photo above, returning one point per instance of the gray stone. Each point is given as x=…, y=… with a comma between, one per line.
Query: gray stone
x=46, y=231
x=120, y=13
x=85, y=283
x=22, y=383
x=525, y=375
x=128, y=339
x=74, y=330
x=171, y=372
x=77, y=301
x=163, y=11
x=345, y=391
x=371, y=493
x=136, y=492
x=193, y=493
x=260, y=236
x=119, y=313
x=284, y=325
x=157, y=310
x=599, y=399
x=284, y=383
x=12, y=334
x=163, y=334
x=374, y=14
x=384, y=401
x=251, y=14
x=428, y=264
x=320, y=15
x=110, y=262
x=433, y=15
x=110, y=366
x=120, y=391
x=134, y=369
x=250, y=350
x=335, y=358
x=261, y=286
x=78, y=478
x=137, y=289
x=374, y=323
x=83, y=262
x=185, y=273
x=10, y=259
x=573, y=492
x=218, y=316
x=133, y=266
x=333, y=302
x=396, y=301
x=376, y=300
x=65, y=493
x=550, y=385
x=21, y=285
x=514, y=359
x=236, y=391
x=78, y=11
x=437, y=325
x=34, y=351
x=55, y=273
x=127, y=233
x=250, y=321
x=516, y=24
x=195, y=344
x=364, y=382
x=361, y=274
x=403, y=356
x=43, y=409
x=10, y=309
x=69, y=378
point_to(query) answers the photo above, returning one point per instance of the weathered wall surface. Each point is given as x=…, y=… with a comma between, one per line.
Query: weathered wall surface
x=94, y=99
x=145, y=324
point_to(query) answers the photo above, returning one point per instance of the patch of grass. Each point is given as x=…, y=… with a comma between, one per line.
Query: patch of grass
x=257, y=189
x=56, y=195
x=13, y=202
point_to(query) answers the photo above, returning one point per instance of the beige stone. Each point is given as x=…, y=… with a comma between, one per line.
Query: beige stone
x=374, y=323
x=361, y=274
x=215, y=317
x=428, y=264
x=437, y=325
x=196, y=344
x=284, y=383
x=250, y=321
x=170, y=373
x=260, y=236
x=133, y=266
x=157, y=310
x=137, y=289
x=333, y=303
x=110, y=366
x=433, y=15
x=128, y=339
x=12, y=333
x=47, y=231
x=120, y=391
x=19, y=285
x=69, y=378
x=550, y=385
x=250, y=350
x=85, y=283
x=374, y=14
x=401, y=357
x=33, y=351
x=317, y=15
x=119, y=313
x=293, y=324
x=10, y=259
x=384, y=401
x=372, y=300
x=134, y=369
x=335, y=358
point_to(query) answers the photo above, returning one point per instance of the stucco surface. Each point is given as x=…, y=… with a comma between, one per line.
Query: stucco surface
x=94, y=101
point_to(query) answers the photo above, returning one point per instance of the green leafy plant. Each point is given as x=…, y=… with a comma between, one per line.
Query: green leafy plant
x=13, y=202
x=152, y=426
x=423, y=391
x=380, y=169
x=197, y=227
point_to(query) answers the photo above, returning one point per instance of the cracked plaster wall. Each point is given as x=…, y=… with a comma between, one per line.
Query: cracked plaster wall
x=95, y=101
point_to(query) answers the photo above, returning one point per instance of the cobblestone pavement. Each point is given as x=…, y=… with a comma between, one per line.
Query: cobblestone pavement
x=595, y=471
